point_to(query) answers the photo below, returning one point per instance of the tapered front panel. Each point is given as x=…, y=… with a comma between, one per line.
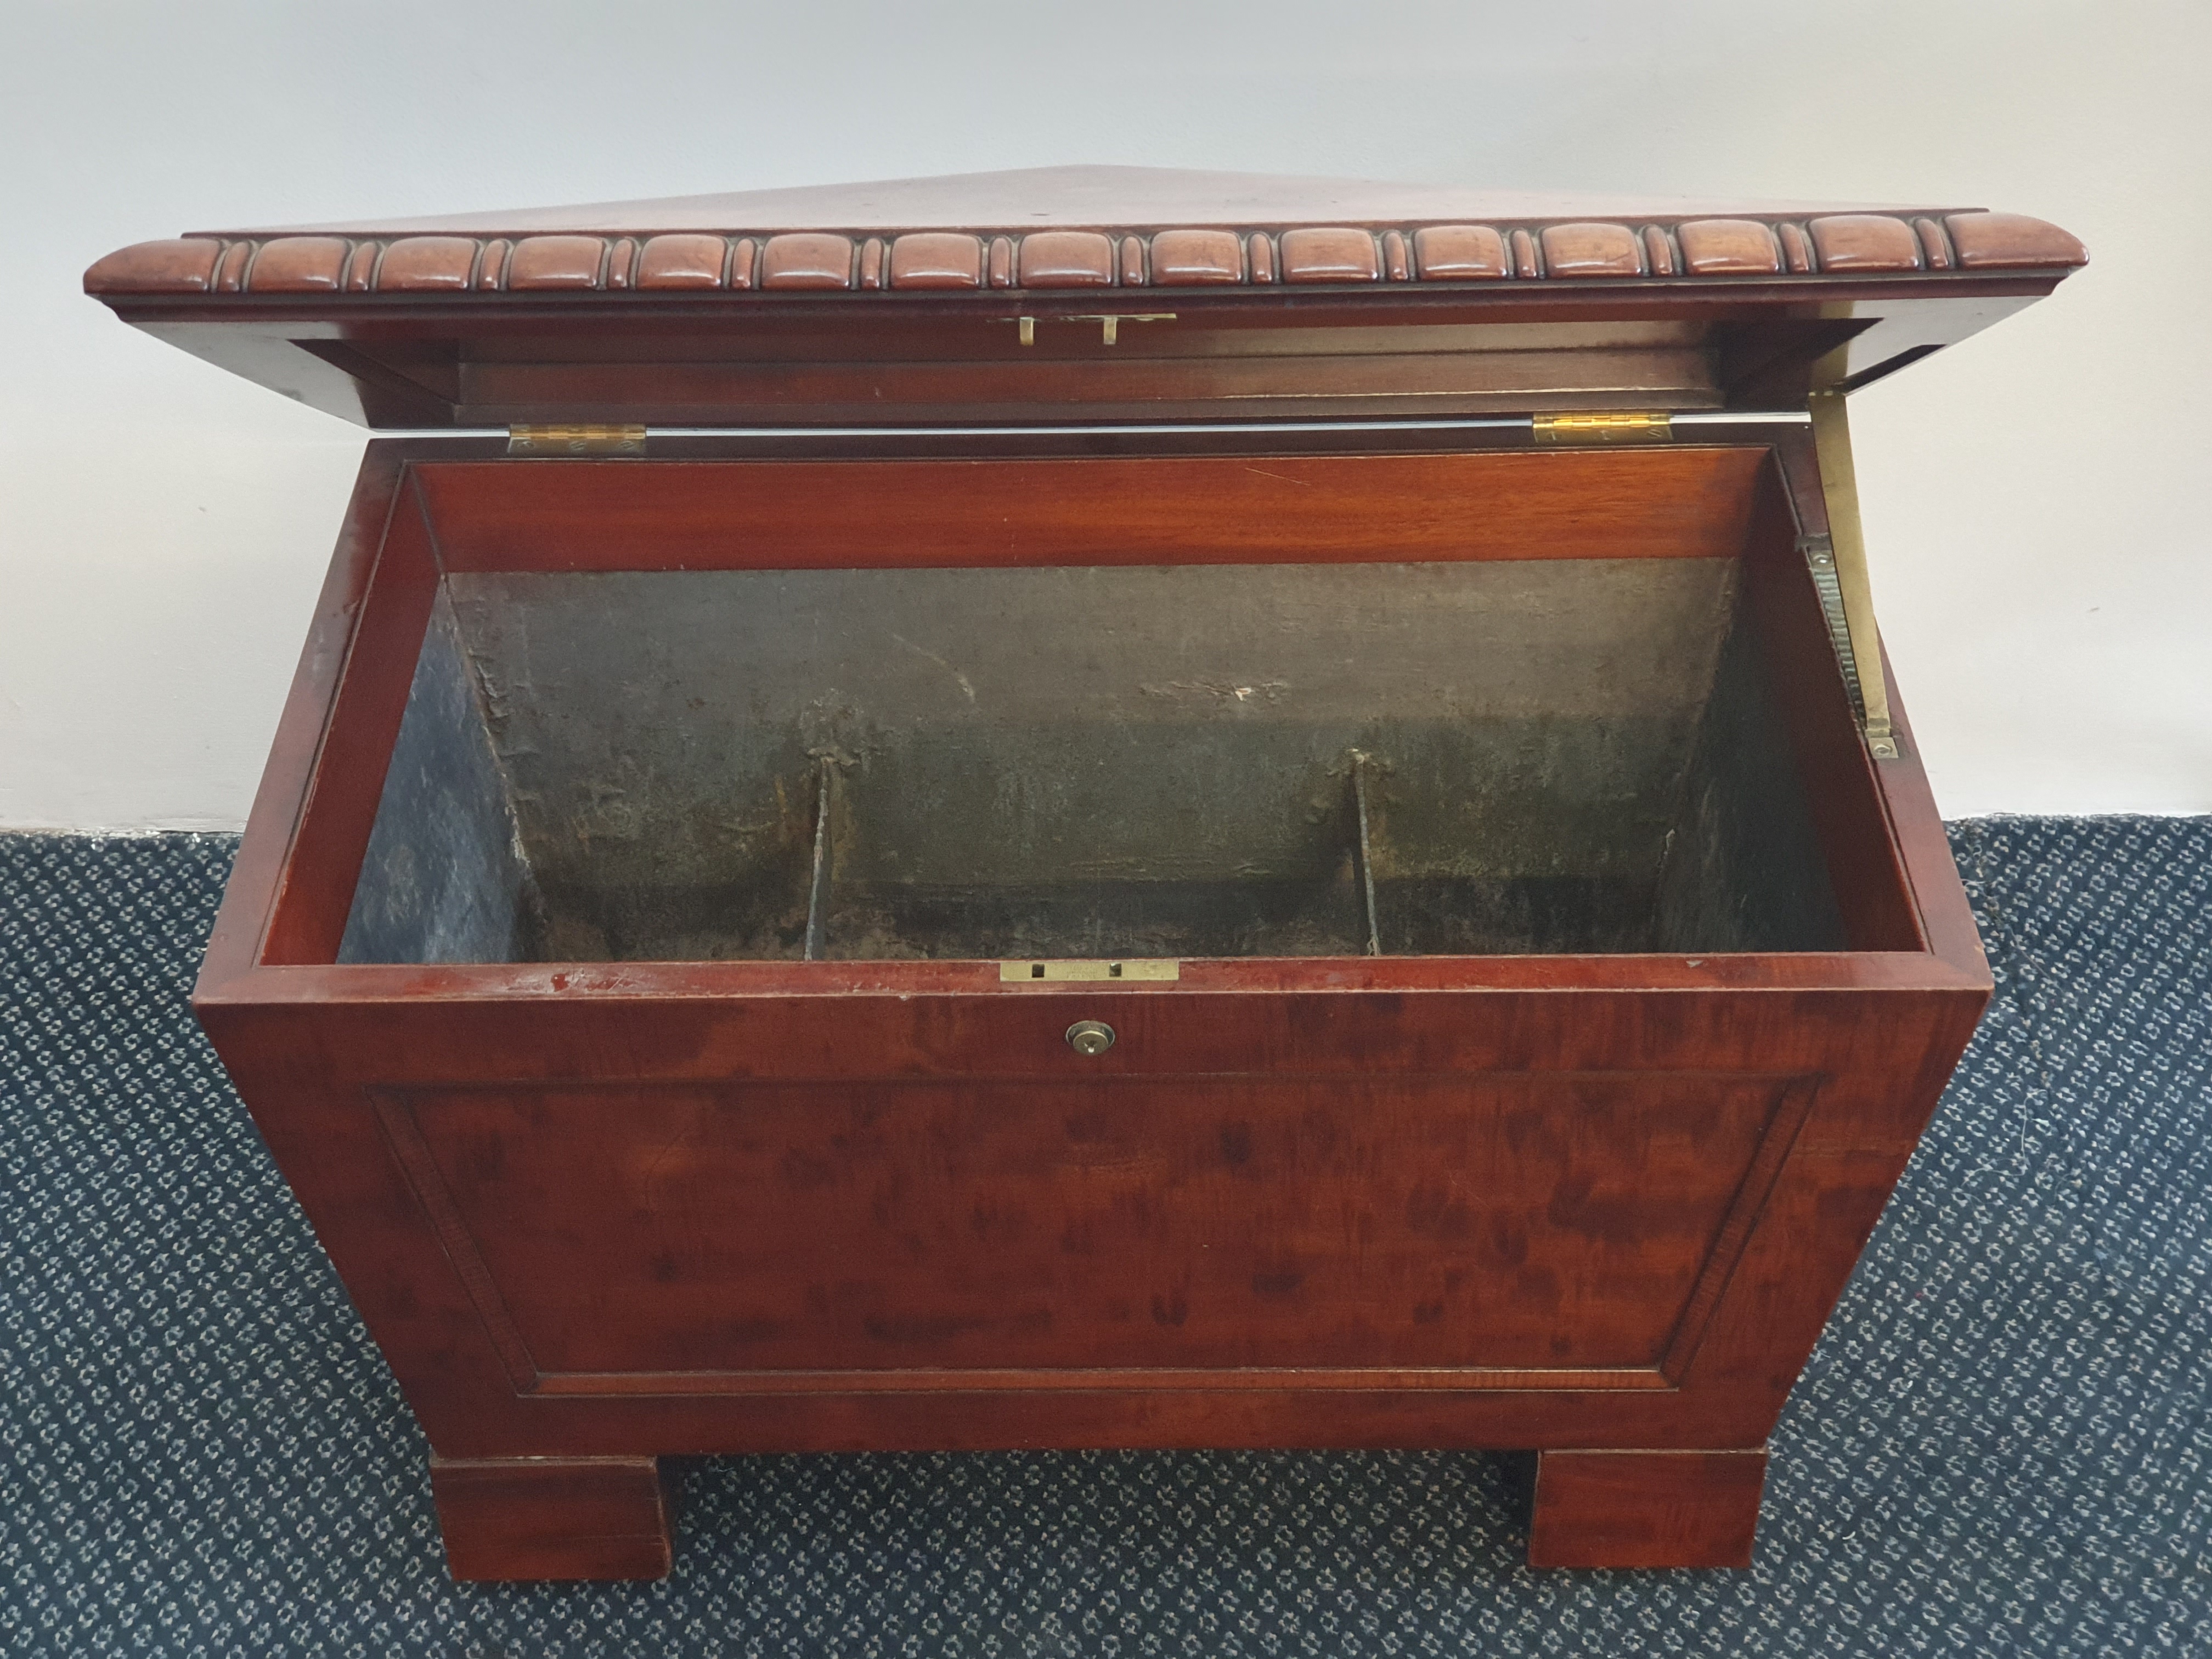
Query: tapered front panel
x=1547, y=1224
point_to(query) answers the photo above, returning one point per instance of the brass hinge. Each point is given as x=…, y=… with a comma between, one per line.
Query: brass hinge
x=1837, y=562
x=1604, y=426
x=1819, y=555
x=575, y=440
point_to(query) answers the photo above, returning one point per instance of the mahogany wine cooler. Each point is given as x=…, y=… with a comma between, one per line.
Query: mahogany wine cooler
x=883, y=842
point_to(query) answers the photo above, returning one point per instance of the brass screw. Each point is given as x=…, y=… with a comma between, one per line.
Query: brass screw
x=1090, y=1037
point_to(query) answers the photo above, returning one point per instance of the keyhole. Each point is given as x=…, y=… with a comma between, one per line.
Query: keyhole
x=1090, y=1037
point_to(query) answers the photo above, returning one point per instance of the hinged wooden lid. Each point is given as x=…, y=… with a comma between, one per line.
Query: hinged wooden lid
x=1007, y=297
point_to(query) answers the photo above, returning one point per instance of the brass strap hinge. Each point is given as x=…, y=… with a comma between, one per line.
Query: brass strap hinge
x=1604, y=426
x=1819, y=553
x=575, y=440
x=1837, y=562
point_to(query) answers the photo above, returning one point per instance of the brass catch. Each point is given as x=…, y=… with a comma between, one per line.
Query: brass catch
x=1604, y=426
x=1044, y=973
x=575, y=441
x=1109, y=323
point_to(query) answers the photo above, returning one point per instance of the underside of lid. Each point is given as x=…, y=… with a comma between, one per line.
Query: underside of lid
x=1002, y=297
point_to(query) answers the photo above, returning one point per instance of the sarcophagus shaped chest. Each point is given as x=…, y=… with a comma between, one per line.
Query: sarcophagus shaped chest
x=1094, y=808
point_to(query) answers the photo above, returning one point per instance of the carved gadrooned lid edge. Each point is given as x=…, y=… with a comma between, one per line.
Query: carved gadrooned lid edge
x=1850, y=245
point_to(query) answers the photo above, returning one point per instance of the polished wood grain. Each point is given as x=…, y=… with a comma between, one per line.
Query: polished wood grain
x=1329, y=254
x=1078, y=197
x=1184, y=257
x=1460, y=253
x=1146, y=1226
x=1599, y=1205
x=1591, y=250
x=1863, y=243
x=1869, y=881
x=1998, y=240
x=1729, y=248
x=540, y=263
x=599, y=1214
x=1260, y=257
x=333, y=832
x=1645, y=1509
x=1675, y=503
x=1073, y=378
x=899, y=302
x=422, y=265
x=1397, y=263
x=458, y=1316
x=1064, y=258
x=685, y=354
x=235, y=945
x=541, y=1518
x=951, y=259
x=683, y=264
x=1330, y=231
x=300, y=264
x=806, y=261
x=1934, y=246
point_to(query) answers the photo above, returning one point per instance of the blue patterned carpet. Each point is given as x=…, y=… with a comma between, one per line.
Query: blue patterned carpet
x=2002, y=1447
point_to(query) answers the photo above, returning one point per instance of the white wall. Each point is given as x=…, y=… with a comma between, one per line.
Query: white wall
x=2035, y=499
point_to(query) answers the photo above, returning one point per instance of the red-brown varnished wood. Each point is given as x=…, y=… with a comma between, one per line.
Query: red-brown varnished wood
x=524, y=1518
x=1682, y=503
x=1849, y=812
x=235, y=945
x=1136, y=385
x=370, y=984
x=1985, y=239
x=829, y=1035
x=599, y=1214
x=566, y=313
x=1596, y=1205
x=340, y=806
x=326, y=1134
x=1645, y=1509
x=682, y=354
x=1553, y=1222
x=1583, y=236
x=1938, y=897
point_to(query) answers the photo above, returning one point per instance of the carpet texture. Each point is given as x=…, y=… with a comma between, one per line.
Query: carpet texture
x=2002, y=1447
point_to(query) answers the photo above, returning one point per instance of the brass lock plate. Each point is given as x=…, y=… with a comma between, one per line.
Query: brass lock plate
x=1034, y=972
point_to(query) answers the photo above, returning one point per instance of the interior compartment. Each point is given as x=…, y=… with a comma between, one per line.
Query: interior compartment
x=1551, y=754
